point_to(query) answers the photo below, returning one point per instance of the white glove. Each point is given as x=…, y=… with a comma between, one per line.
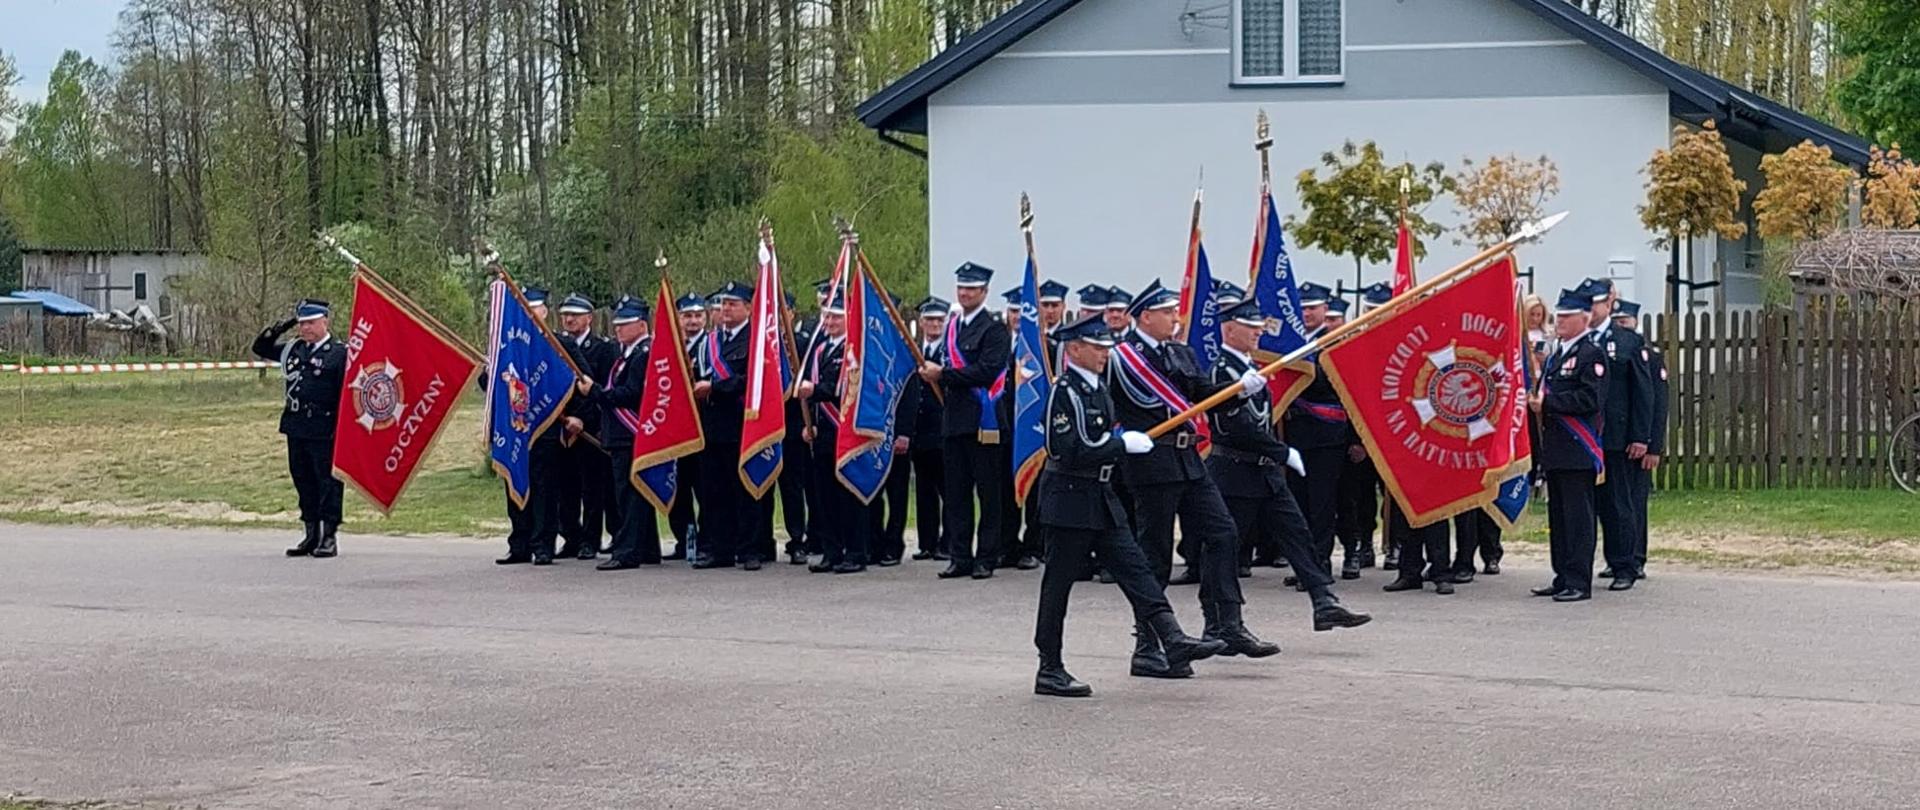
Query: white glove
x=1253, y=381
x=1136, y=442
x=1295, y=463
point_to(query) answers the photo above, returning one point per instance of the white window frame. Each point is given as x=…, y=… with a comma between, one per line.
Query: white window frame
x=1290, y=62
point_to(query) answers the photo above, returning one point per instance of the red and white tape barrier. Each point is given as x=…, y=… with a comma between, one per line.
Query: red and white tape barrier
x=111, y=368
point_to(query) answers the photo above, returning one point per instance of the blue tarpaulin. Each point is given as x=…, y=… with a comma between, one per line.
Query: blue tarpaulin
x=55, y=303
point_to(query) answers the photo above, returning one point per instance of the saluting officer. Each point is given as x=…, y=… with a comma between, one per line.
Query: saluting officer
x=843, y=527
x=1317, y=426
x=586, y=488
x=729, y=518
x=1571, y=406
x=976, y=354
x=314, y=365
x=1157, y=377
x=1625, y=436
x=691, y=313
x=1626, y=316
x=919, y=422
x=1246, y=464
x=1083, y=515
x=636, y=533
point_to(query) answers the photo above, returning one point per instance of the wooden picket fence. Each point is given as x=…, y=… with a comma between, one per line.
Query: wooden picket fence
x=1786, y=399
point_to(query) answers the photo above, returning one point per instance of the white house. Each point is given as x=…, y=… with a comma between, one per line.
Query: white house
x=1106, y=111
x=107, y=279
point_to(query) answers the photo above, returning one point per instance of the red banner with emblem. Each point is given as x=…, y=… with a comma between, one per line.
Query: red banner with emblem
x=405, y=373
x=1431, y=393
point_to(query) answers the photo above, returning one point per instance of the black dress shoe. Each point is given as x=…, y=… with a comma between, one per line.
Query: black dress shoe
x=1289, y=580
x=923, y=555
x=820, y=566
x=889, y=562
x=1404, y=583
x=702, y=565
x=1350, y=568
x=1491, y=569
x=1392, y=562
x=1054, y=681
x=982, y=572
x=956, y=571
x=1621, y=584
x=1188, y=576
x=513, y=559
x=849, y=568
x=750, y=564
x=1570, y=595
x=1607, y=573
x=1280, y=562
x=307, y=543
x=1027, y=563
x=1328, y=617
x=1546, y=590
x=1463, y=576
x=796, y=558
x=1443, y=587
x=586, y=554
x=543, y=559
x=615, y=565
x=942, y=556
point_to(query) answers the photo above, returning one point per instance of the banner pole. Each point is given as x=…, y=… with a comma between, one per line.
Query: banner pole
x=1367, y=319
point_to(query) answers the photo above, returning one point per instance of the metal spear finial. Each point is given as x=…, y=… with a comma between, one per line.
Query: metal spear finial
x=1262, y=132
x=1026, y=213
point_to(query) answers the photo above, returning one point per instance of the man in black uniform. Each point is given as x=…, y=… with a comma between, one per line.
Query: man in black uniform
x=1083, y=515
x=1357, y=505
x=636, y=533
x=1625, y=436
x=976, y=349
x=1571, y=406
x=1092, y=300
x=314, y=365
x=1626, y=316
x=1246, y=463
x=845, y=526
x=585, y=488
x=692, y=317
x=729, y=517
x=919, y=422
x=1155, y=377
x=1118, y=313
x=1317, y=426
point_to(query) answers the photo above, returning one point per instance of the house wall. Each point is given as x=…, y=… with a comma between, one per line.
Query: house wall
x=1108, y=114
x=72, y=273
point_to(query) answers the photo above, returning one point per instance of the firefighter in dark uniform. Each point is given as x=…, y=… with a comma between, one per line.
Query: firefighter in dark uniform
x=314, y=365
x=1626, y=434
x=1571, y=405
x=846, y=524
x=535, y=524
x=1246, y=464
x=636, y=530
x=691, y=314
x=1090, y=300
x=976, y=354
x=1228, y=294
x=919, y=421
x=1357, y=505
x=799, y=488
x=1626, y=315
x=1119, y=312
x=729, y=518
x=1151, y=374
x=1317, y=426
x=586, y=488
x=1083, y=516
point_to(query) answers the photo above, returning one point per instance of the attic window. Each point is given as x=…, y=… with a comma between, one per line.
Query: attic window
x=1288, y=41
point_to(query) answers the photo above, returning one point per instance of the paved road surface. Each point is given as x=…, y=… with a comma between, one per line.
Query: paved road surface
x=200, y=668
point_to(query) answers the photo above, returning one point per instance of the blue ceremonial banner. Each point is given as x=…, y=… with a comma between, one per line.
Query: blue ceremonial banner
x=529, y=381
x=1510, y=505
x=878, y=364
x=1033, y=382
x=1278, y=294
x=1200, y=311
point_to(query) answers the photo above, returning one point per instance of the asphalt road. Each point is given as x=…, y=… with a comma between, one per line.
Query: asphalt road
x=201, y=668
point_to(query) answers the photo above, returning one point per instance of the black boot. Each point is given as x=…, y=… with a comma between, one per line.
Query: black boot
x=1328, y=613
x=1393, y=559
x=1148, y=660
x=1054, y=679
x=1234, y=633
x=329, y=545
x=1188, y=576
x=1366, y=553
x=307, y=543
x=1211, y=611
x=1181, y=648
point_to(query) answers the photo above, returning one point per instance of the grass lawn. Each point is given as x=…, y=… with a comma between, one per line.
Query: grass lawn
x=200, y=448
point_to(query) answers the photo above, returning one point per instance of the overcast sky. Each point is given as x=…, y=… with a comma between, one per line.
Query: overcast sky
x=35, y=32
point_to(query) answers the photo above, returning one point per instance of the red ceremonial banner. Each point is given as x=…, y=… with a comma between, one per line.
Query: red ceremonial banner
x=669, y=419
x=405, y=373
x=1430, y=392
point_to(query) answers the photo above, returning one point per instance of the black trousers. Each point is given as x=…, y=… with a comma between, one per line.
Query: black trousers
x=1475, y=530
x=534, y=527
x=1072, y=551
x=729, y=517
x=1640, y=497
x=1357, y=507
x=1421, y=548
x=1275, y=522
x=310, y=461
x=974, y=472
x=1318, y=494
x=1202, y=515
x=929, y=483
x=581, y=473
x=1621, y=512
x=680, y=519
x=1570, y=496
x=846, y=524
x=890, y=511
x=798, y=499
x=636, y=536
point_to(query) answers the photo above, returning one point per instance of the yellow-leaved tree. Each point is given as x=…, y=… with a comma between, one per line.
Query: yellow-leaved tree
x=1806, y=194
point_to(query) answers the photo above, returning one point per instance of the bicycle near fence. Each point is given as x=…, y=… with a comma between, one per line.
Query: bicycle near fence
x=1903, y=450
